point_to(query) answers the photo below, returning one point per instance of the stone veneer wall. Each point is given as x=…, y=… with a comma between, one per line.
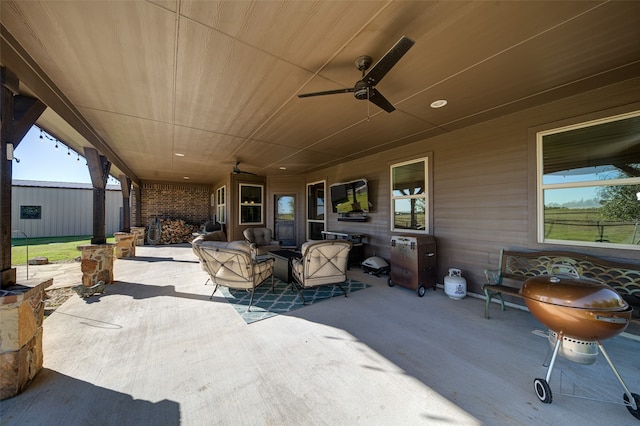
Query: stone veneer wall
x=177, y=201
x=21, y=315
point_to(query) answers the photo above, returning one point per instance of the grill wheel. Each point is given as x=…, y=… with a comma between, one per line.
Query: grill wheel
x=635, y=413
x=543, y=390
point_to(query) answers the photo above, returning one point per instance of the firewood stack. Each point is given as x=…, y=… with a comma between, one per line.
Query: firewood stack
x=175, y=231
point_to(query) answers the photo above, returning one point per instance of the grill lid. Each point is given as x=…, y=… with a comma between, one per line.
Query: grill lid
x=574, y=292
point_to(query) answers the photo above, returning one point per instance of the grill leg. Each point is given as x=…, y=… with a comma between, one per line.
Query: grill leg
x=548, y=357
x=554, y=356
x=632, y=402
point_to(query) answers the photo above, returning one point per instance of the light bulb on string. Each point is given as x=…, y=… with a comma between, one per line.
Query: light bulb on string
x=41, y=138
x=56, y=147
x=68, y=151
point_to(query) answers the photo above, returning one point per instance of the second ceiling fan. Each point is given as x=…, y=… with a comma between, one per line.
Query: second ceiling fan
x=236, y=170
x=365, y=88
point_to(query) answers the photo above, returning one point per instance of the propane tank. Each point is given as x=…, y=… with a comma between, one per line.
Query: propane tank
x=454, y=285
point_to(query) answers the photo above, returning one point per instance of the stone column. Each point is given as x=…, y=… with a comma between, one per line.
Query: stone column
x=21, y=315
x=97, y=263
x=125, y=244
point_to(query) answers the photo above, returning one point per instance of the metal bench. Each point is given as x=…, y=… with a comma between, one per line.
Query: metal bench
x=520, y=266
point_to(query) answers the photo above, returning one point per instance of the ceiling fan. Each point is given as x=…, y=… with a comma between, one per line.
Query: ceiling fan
x=365, y=89
x=237, y=171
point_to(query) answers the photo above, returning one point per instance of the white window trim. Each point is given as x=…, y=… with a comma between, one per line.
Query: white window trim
x=427, y=195
x=260, y=204
x=221, y=204
x=541, y=187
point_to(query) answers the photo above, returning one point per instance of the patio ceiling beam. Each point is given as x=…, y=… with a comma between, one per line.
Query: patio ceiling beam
x=34, y=77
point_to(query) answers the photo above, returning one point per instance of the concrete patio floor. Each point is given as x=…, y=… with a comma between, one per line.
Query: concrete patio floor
x=154, y=350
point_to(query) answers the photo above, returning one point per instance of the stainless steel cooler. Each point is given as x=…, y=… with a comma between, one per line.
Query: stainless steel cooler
x=413, y=262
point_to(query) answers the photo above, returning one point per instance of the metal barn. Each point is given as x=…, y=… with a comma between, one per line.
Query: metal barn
x=56, y=209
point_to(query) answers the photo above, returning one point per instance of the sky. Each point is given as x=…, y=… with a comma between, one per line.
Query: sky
x=40, y=160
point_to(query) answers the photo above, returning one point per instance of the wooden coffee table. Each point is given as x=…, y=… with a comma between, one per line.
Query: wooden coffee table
x=282, y=265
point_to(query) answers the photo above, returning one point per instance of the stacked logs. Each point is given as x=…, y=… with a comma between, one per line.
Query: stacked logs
x=176, y=231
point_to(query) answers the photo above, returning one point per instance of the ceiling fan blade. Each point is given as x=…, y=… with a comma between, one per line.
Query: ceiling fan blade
x=377, y=98
x=382, y=67
x=326, y=92
x=237, y=171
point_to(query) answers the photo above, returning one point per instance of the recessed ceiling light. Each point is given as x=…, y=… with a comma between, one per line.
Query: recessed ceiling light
x=177, y=154
x=185, y=177
x=439, y=103
x=283, y=168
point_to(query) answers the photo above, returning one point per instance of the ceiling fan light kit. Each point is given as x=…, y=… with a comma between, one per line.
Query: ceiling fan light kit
x=365, y=88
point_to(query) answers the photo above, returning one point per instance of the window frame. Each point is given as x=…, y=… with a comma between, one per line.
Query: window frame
x=243, y=206
x=427, y=195
x=541, y=186
x=221, y=204
x=308, y=220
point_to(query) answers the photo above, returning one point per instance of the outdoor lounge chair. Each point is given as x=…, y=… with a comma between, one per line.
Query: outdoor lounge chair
x=261, y=242
x=230, y=264
x=322, y=263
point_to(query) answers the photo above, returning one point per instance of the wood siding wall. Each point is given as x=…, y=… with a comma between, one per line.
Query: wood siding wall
x=65, y=211
x=484, y=184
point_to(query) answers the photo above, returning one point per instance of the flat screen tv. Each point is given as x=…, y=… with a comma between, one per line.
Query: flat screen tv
x=350, y=197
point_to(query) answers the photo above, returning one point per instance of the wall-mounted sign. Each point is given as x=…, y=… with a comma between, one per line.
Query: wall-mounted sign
x=30, y=212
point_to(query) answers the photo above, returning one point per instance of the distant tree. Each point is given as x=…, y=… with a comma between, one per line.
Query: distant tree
x=620, y=203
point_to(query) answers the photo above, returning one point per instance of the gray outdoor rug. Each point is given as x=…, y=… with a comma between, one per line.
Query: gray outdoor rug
x=283, y=299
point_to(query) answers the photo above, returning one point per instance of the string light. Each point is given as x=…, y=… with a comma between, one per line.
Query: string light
x=46, y=135
x=58, y=144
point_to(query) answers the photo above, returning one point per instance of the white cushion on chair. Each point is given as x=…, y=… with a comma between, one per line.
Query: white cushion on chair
x=230, y=264
x=260, y=241
x=322, y=262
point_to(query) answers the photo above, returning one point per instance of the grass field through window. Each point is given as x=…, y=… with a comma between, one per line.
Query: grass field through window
x=587, y=225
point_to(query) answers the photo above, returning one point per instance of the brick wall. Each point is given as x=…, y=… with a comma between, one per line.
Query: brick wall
x=176, y=201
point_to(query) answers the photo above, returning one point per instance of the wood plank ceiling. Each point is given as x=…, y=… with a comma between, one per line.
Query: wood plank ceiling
x=218, y=81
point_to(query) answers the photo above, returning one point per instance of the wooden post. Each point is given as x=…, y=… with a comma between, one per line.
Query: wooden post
x=125, y=185
x=18, y=113
x=138, y=212
x=99, y=171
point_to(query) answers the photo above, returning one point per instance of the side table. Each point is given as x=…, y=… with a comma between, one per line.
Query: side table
x=282, y=265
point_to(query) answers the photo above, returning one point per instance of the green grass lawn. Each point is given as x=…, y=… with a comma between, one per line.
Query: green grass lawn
x=53, y=248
